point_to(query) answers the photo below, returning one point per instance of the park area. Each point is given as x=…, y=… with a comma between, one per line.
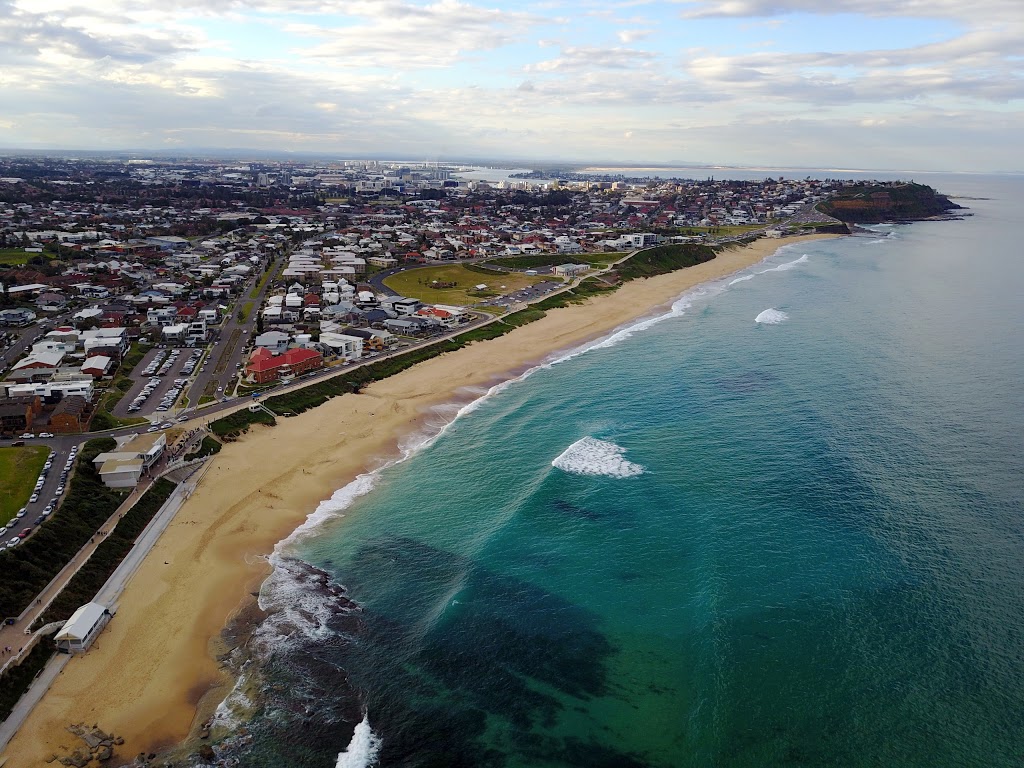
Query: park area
x=459, y=284
x=20, y=468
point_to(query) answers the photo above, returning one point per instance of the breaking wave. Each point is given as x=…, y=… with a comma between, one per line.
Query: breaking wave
x=741, y=279
x=363, y=749
x=787, y=266
x=590, y=456
x=771, y=317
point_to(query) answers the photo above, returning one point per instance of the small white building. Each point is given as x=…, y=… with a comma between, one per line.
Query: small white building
x=82, y=628
x=570, y=270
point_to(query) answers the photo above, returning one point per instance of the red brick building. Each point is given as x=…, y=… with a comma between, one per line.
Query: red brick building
x=264, y=366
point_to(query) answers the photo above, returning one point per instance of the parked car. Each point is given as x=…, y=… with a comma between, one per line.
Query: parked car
x=21, y=512
x=33, y=498
x=27, y=436
x=153, y=429
x=46, y=434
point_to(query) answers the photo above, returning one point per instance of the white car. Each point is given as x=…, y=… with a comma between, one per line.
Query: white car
x=153, y=429
x=27, y=436
x=33, y=498
x=13, y=541
x=46, y=434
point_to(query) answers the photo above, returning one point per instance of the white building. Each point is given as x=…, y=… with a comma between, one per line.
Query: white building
x=82, y=628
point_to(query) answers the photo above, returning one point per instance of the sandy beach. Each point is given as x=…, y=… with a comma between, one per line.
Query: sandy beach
x=146, y=675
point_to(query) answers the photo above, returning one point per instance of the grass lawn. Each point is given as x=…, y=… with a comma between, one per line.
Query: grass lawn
x=14, y=257
x=20, y=468
x=596, y=260
x=415, y=283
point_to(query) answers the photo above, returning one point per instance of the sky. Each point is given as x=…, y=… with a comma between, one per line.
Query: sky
x=875, y=84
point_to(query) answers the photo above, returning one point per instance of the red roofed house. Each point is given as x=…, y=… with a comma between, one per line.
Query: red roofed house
x=264, y=366
x=443, y=316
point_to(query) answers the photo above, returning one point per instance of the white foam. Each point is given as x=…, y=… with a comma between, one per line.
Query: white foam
x=771, y=317
x=363, y=749
x=787, y=266
x=590, y=456
x=741, y=279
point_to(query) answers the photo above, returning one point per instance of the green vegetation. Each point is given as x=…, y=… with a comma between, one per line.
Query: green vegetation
x=244, y=311
x=524, y=316
x=20, y=468
x=29, y=567
x=664, y=258
x=416, y=283
x=208, y=447
x=108, y=555
x=238, y=423
x=15, y=257
x=872, y=203
x=267, y=277
x=17, y=680
x=534, y=260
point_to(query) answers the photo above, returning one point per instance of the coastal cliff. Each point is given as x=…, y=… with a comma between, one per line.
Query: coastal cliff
x=873, y=203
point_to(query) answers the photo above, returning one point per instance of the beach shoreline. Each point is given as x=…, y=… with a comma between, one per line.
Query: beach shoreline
x=154, y=673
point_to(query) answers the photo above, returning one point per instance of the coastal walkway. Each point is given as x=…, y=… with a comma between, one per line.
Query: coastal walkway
x=15, y=635
x=108, y=595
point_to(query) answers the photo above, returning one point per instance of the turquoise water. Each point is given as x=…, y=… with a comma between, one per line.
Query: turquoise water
x=790, y=541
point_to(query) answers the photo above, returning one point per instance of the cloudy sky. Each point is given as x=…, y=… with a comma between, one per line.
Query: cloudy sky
x=914, y=84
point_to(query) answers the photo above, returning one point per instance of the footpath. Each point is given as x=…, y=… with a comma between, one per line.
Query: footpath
x=108, y=595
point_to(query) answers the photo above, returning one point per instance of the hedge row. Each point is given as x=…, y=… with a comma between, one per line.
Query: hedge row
x=30, y=566
x=115, y=547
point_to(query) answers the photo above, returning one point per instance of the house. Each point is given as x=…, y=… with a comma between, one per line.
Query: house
x=342, y=345
x=97, y=366
x=400, y=306
x=18, y=413
x=17, y=317
x=274, y=341
x=70, y=414
x=82, y=628
x=372, y=340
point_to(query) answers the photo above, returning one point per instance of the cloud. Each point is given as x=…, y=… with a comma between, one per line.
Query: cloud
x=76, y=33
x=632, y=35
x=403, y=35
x=593, y=57
x=1007, y=9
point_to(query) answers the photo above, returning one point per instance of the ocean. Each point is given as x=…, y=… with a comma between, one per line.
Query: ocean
x=780, y=524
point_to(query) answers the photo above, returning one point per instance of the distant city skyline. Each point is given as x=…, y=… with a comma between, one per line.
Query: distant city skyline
x=851, y=84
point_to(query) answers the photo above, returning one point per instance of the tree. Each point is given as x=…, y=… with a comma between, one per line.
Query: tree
x=259, y=323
